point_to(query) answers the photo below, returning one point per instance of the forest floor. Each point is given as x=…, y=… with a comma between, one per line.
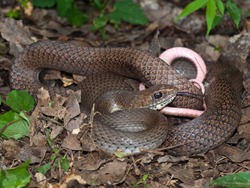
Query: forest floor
x=50, y=134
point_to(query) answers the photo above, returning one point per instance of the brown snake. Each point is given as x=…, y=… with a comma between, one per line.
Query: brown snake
x=209, y=130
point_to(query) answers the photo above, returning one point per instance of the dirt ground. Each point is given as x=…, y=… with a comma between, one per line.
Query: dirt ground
x=90, y=167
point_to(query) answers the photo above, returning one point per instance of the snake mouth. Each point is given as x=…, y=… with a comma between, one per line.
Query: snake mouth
x=159, y=105
x=193, y=95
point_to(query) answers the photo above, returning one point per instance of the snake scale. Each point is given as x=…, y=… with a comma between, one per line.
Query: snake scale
x=209, y=130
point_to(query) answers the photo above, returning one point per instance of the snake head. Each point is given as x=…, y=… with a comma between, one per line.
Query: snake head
x=155, y=97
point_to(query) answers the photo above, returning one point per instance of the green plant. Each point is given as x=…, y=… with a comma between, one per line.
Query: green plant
x=55, y=158
x=123, y=10
x=15, y=13
x=15, y=177
x=215, y=10
x=15, y=122
x=141, y=181
x=65, y=8
x=239, y=180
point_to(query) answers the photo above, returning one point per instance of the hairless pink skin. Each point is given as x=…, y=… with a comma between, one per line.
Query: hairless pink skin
x=181, y=112
x=180, y=52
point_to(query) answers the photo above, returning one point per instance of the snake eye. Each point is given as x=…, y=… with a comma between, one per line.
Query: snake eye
x=158, y=95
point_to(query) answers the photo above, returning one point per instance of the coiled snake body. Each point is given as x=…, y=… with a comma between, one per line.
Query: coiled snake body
x=199, y=135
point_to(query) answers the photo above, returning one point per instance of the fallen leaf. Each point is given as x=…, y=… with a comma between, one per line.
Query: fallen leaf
x=71, y=142
x=184, y=175
x=233, y=153
x=17, y=34
x=34, y=154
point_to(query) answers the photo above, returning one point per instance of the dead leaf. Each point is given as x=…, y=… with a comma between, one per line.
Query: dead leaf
x=88, y=144
x=73, y=108
x=10, y=148
x=198, y=184
x=210, y=173
x=244, y=131
x=41, y=180
x=97, y=171
x=57, y=109
x=71, y=142
x=184, y=175
x=34, y=154
x=39, y=139
x=171, y=159
x=56, y=131
x=245, y=115
x=233, y=153
x=92, y=162
x=73, y=180
x=111, y=172
x=17, y=34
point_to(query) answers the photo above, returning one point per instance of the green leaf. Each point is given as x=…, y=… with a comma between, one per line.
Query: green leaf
x=75, y=17
x=20, y=100
x=24, y=3
x=15, y=177
x=210, y=14
x=24, y=116
x=126, y=10
x=220, y=6
x=98, y=4
x=53, y=156
x=43, y=3
x=13, y=14
x=145, y=177
x=217, y=20
x=63, y=6
x=65, y=163
x=44, y=168
x=17, y=129
x=238, y=180
x=192, y=7
x=53, y=146
x=99, y=22
x=234, y=12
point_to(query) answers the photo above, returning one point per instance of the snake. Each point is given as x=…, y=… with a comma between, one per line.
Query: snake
x=134, y=129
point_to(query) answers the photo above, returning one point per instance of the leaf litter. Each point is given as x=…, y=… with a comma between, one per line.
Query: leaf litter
x=70, y=128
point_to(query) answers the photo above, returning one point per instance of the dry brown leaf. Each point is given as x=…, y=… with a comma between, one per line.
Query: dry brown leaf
x=245, y=115
x=41, y=180
x=244, y=131
x=198, y=184
x=91, y=162
x=73, y=109
x=56, y=131
x=10, y=148
x=71, y=142
x=34, y=154
x=88, y=144
x=110, y=172
x=73, y=180
x=184, y=175
x=233, y=153
x=17, y=35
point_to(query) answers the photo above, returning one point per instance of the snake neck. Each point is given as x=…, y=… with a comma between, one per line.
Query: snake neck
x=113, y=101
